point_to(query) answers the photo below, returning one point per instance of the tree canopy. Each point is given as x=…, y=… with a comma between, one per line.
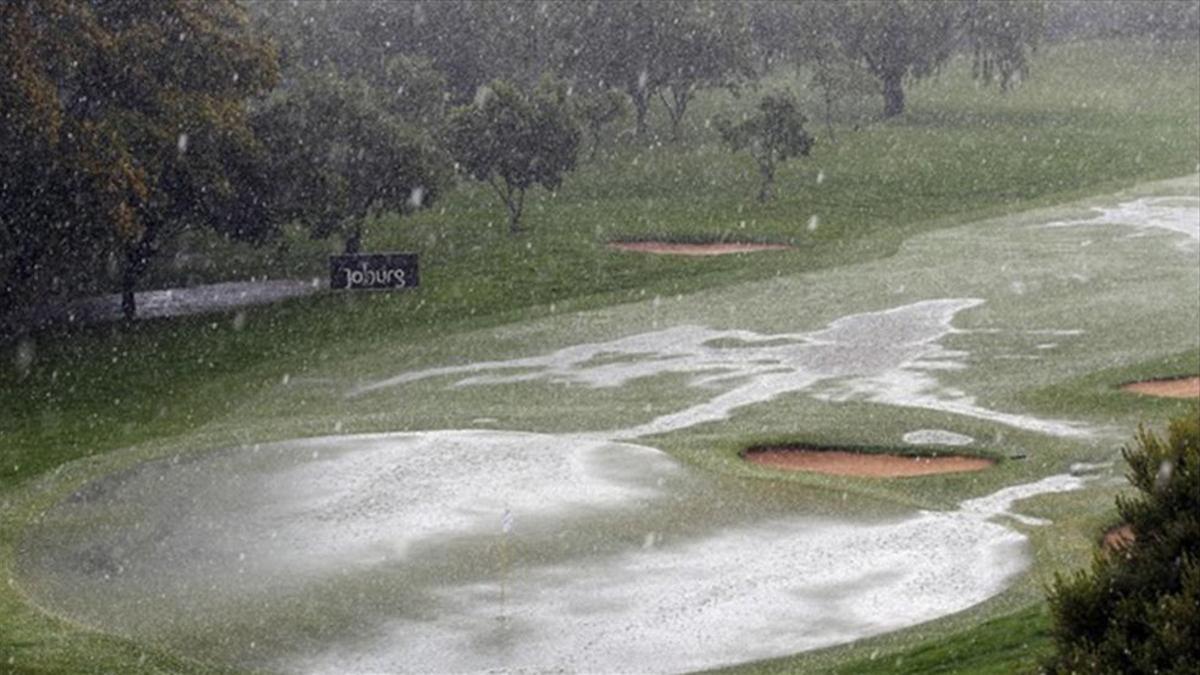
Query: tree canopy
x=341, y=157
x=124, y=122
x=773, y=134
x=513, y=141
x=1138, y=609
x=905, y=39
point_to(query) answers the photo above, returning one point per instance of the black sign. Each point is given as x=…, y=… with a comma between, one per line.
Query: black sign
x=373, y=271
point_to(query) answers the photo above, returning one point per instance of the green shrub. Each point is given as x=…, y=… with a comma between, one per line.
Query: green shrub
x=1138, y=609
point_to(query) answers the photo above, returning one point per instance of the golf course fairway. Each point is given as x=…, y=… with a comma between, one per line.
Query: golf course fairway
x=568, y=492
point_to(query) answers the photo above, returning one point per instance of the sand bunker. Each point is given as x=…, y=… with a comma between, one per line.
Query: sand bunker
x=1179, y=387
x=843, y=463
x=714, y=248
x=1117, y=538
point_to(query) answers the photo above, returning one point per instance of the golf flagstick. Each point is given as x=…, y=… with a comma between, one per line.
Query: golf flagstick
x=506, y=525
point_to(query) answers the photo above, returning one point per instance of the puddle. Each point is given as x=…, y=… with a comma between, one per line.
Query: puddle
x=675, y=248
x=453, y=551
x=936, y=437
x=177, y=301
x=1174, y=214
x=890, y=356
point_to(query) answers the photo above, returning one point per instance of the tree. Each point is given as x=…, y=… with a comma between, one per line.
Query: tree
x=514, y=141
x=665, y=49
x=895, y=40
x=1138, y=609
x=597, y=110
x=834, y=74
x=703, y=45
x=910, y=39
x=773, y=135
x=134, y=113
x=1001, y=33
x=617, y=44
x=342, y=158
x=775, y=30
x=413, y=91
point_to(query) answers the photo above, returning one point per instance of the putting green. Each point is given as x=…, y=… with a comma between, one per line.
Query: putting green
x=395, y=551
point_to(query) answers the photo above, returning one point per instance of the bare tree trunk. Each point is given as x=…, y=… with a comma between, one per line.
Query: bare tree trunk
x=893, y=94
x=676, y=107
x=129, y=278
x=829, y=115
x=516, y=204
x=767, y=171
x=641, y=104
x=137, y=257
x=596, y=131
x=354, y=240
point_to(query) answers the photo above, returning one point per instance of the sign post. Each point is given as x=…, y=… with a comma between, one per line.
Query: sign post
x=373, y=271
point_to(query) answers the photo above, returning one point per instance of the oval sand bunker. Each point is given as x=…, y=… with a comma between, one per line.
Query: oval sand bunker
x=1178, y=387
x=879, y=465
x=714, y=248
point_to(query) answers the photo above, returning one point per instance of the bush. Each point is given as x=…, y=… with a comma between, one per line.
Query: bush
x=1138, y=609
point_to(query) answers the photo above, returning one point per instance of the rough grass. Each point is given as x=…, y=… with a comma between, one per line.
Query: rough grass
x=1094, y=118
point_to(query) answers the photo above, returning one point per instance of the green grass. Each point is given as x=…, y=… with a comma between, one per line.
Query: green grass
x=1009, y=644
x=1095, y=118
x=1014, y=643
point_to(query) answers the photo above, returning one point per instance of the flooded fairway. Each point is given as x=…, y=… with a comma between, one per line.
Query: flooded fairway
x=597, y=519
x=471, y=550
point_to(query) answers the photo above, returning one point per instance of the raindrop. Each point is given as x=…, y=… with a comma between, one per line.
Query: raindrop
x=239, y=320
x=416, y=197
x=24, y=357
x=813, y=222
x=287, y=377
x=482, y=95
x=820, y=176
x=182, y=143
x=1165, y=469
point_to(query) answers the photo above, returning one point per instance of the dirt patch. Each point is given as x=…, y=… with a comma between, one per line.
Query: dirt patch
x=845, y=463
x=1176, y=387
x=1117, y=538
x=714, y=248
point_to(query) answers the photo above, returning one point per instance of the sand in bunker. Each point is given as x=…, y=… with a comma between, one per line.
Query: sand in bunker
x=1117, y=538
x=1181, y=387
x=716, y=248
x=843, y=463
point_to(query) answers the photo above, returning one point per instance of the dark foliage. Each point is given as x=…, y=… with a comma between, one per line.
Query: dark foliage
x=1138, y=609
x=773, y=134
x=124, y=123
x=514, y=141
x=339, y=157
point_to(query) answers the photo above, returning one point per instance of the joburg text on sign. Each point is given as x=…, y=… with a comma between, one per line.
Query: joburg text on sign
x=373, y=271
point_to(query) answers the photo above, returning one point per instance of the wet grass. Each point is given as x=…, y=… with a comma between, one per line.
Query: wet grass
x=1009, y=644
x=1095, y=118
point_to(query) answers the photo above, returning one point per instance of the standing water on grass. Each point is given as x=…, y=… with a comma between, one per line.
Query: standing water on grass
x=387, y=553
x=623, y=556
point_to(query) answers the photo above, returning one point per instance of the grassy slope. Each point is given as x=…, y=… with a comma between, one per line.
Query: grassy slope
x=1095, y=118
